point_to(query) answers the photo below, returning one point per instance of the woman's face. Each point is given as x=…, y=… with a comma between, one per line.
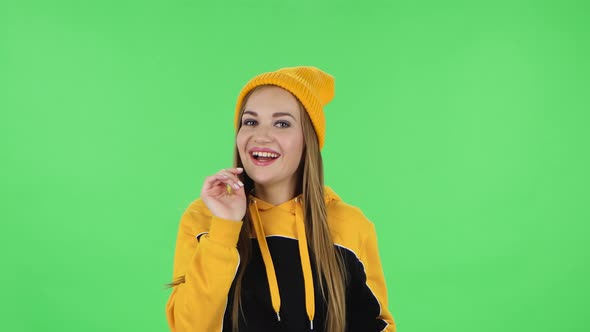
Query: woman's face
x=270, y=140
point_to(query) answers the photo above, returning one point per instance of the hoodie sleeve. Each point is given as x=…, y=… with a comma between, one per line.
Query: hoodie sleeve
x=208, y=264
x=375, y=278
x=367, y=305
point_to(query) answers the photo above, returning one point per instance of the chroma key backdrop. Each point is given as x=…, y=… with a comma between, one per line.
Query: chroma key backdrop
x=460, y=128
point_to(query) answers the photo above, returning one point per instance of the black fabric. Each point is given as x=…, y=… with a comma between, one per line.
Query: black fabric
x=362, y=306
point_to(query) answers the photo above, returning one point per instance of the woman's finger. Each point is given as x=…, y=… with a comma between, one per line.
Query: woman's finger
x=219, y=186
x=233, y=170
x=210, y=182
x=228, y=175
x=224, y=177
x=230, y=180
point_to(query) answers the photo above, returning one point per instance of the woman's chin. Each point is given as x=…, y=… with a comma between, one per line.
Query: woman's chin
x=262, y=181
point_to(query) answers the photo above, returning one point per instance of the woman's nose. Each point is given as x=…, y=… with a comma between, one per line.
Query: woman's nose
x=263, y=135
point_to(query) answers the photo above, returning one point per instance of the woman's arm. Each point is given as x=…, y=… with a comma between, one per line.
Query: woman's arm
x=375, y=278
x=208, y=265
x=367, y=303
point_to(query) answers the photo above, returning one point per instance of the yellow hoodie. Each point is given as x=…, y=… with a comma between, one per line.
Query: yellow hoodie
x=280, y=291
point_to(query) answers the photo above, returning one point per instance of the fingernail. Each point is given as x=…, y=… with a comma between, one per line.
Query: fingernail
x=240, y=169
x=237, y=186
x=241, y=184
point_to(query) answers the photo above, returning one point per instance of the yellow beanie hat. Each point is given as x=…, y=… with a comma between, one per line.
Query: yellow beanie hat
x=313, y=87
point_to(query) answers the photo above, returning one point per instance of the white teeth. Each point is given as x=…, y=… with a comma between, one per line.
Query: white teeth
x=265, y=154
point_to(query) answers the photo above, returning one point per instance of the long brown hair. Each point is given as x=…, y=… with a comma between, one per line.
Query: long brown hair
x=327, y=260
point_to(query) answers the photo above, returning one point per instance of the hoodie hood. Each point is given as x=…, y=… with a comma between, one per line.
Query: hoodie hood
x=285, y=219
x=329, y=196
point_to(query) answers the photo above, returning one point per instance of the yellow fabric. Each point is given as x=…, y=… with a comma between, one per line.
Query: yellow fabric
x=305, y=263
x=267, y=258
x=209, y=265
x=202, y=292
x=269, y=266
x=312, y=86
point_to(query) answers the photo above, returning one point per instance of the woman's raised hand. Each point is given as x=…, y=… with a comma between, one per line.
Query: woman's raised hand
x=224, y=195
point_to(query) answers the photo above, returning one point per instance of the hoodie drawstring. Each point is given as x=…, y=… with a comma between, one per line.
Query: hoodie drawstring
x=305, y=263
x=269, y=266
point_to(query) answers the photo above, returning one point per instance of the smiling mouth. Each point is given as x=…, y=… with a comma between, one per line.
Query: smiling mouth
x=261, y=158
x=264, y=156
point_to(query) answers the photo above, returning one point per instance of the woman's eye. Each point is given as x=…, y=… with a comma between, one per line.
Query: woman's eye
x=249, y=122
x=283, y=124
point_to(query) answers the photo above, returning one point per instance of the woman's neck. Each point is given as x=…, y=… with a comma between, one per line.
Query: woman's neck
x=274, y=194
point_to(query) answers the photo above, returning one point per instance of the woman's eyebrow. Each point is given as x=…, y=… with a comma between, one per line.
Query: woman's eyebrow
x=279, y=114
x=275, y=115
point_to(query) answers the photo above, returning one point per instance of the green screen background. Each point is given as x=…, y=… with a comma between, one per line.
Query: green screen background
x=459, y=127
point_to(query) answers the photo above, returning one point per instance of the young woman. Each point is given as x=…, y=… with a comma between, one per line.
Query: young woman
x=267, y=247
